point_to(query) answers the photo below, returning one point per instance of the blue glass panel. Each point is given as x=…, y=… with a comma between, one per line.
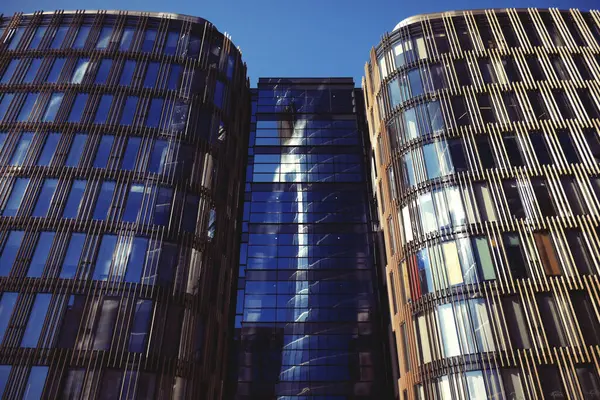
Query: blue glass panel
x=103, y=109
x=10, y=250
x=74, y=200
x=416, y=85
x=36, y=320
x=151, y=75
x=134, y=203
x=81, y=37
x=219, y=94
x=4, y=103
x=149, y=38
x=130, y=155
x=7, y=305
x=126, y=39
x=158, y=156
x=103, y=152
x=27, y=107
x=140, y=326
x=14, y=37
x=80, y=70
x=3, y=136
x=4, y=374
x=104, y=37
x=162, y=210
x=35, y=383
x=103, y=71
x=73, y=255
x=49, y=149
x=129, y=110
x=431, y=161
x=45, y=198
x=40, y=255
x=154, y=113
x=78, y=107
x=171, y=46
x=22, y=147
x=105, y=256
x=76, y=150
x=57, y=67
x=127, y=73
x=37, y=37
x=104, y=200
x=16, y=196
x=174, y=75
x=194, y=45
x=137, y=256
x=59, y=37
x=53, y=106
x=9, y=70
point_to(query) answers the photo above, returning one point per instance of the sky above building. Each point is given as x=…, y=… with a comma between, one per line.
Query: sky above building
x=297, y=38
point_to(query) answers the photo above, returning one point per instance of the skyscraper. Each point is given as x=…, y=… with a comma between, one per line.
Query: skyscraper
x=119, y=192
x=308, y=321
x=485, y=126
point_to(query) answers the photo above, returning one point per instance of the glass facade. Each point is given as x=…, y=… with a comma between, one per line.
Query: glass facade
x=308, y=315
x=119, y=198
x=485, y=131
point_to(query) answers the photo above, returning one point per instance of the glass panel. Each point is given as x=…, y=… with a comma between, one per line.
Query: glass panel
x=4, y=104
x=129, y=110
x=484, y=258
x=73, y=384
x=516, y=322
x=74, y=200
x=134, y=203
x=10, y=250
x=171, y=45
x=110, y=387
x=174, y=75
x=59, y=37
x=7, y=305
x=425, y=277
x=158, y=157
x=32, y=70
x=9, y=70
x=76, y=150
x=151, y=74
x=467, y=260
x=45, y=198
x=73, y=255
x=428, y=220
x=36, y=320
x=586, y=318
x=103, y=151
x=22, y=147
x=16, y=196
x=149, y=39
x=49, y=149
x=106, y=324
x=452, y=263
x=103, y=71
x=551, y=382
x=105, y=256
x=455, y=206
x=130, y=155
x=580, y=251
x=162, y=210
x=14, y=37
x=78, y=107
x=137, y=255
x=81, y=37
x=140, y=326
x=104, y=37
x=35, y=383
x=71, y=321
x=4, y=374
x=104, y=200
x=547, y=253
x=126, y=39
x=486, y=206
x=103, y=109
x=550, y=314
x=80, y=70
x=481, y=325
x=514, y=254
x=25, y=113
x=430, y=154
x=127, y=73
x=40, y=256
x=154, y=113
x=448, y=330
x=53, y=106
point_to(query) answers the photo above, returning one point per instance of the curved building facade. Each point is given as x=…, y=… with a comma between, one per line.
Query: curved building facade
x=485, y=126
x=119, y=193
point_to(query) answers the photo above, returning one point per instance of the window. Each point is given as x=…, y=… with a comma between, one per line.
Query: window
x=541, y=149
x=129, y=110
x=80, y=70
x=103, y=151
x=428, y=220
x=59, y=36
x=104, y=200
x=535, y=68
x=54, y=74
x=462, y=31
x=22, y=148
x=32, y=71
x=151, y=74
x=513, y=108
x=104, y=37
x=461, y=113
x=105, y=256
x=52, y=107
x=589, y=103
x=423, y=338
x=36, y=320
x=140, y=326
x=424, y=267
x=462, y=73
x=13, y=37
x=127, y=73
x=586, y=317
x=582, y=67
x=406, y=352
x=110, y=388
x=162, y=210
x=487, y=71
x=538, y=106
x=73, y=255
x=40, y=255
x=574, y=195
x=27, y=107
x=174, y=76
x=154, y=113
x=103, y=71
x=547, y=253
x=16, y=196
x=448, y=330
x=4, y=103
x=550, y=380
x=49, y=149
x=580, y=251
x=486, y=154
x=452, y=263
x=510, y=67
x=511, y=192
x=106, y=323
x=149, y=38
x=588, y=380
x=171, y=45
x=394, y=92
x=134, y=203
x=126, y=38
x=542, y=194
x=550, y=314
x=158, y=157
x=457, y=155
x=563, y=103
x=73, y=205
x=9, y=71
x=136, y=251
x=35, y=384
x=516, y=322
x=73, y=384
x=416, y=85
x=485, y=202
x=103, y=109
x=81, y=37
x=486, y=108
x=131, y=152
x=513, y=150
x=483, y=256
x=514, y=255
x=7, y=305
x=45, y=198
x=76, y=150
x=560, y=68
x=78, y=107
x=566, y=143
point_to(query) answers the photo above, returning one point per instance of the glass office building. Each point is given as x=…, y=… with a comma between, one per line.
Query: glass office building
x=308, y=321
x=485, y=126
x=119, y=194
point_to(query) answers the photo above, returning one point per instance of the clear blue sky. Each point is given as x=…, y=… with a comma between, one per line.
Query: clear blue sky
x=297, y=38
